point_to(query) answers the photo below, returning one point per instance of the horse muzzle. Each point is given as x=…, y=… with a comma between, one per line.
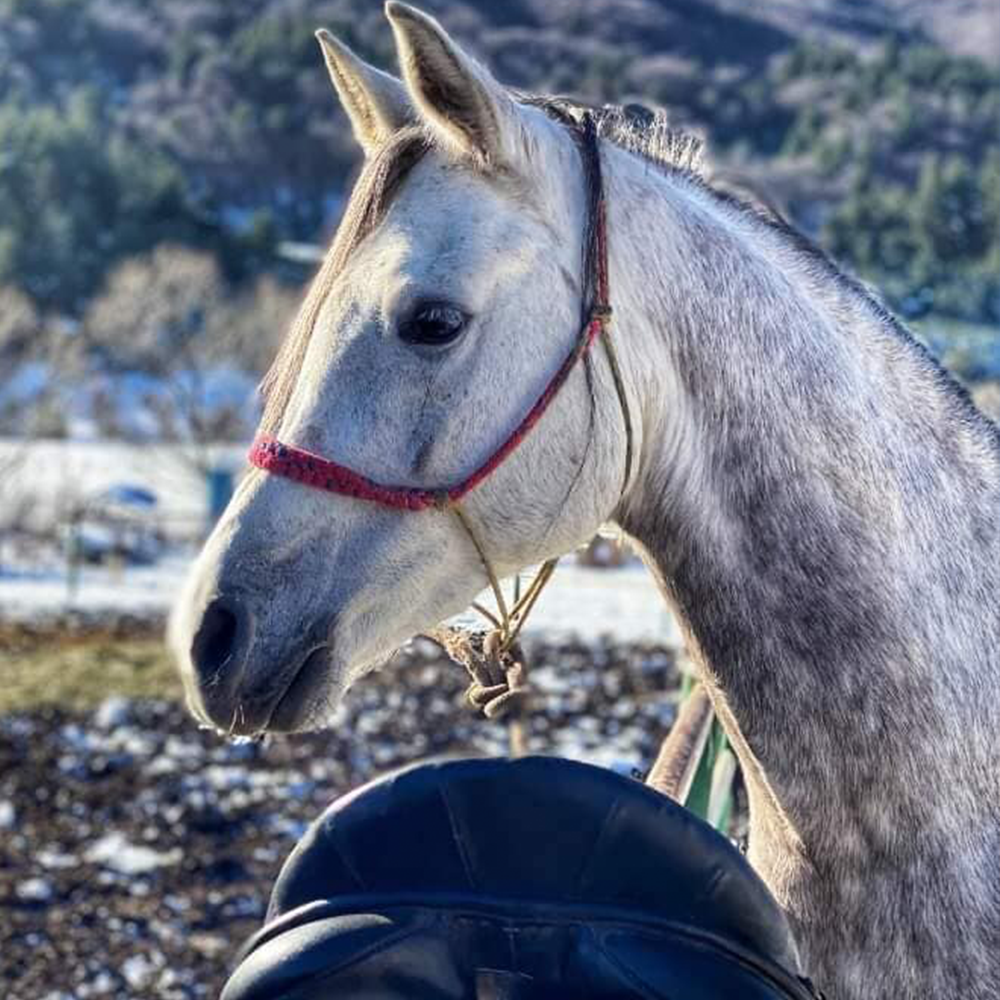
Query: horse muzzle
x=239, y=686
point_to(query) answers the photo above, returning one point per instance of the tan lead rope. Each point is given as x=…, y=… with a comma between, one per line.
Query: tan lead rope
x=511, y=621
x=496, y=669
x=493, y=661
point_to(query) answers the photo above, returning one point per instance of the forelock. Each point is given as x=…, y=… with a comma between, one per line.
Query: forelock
x=379, y=182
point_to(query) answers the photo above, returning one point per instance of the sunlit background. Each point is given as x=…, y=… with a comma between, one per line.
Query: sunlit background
x=170, y=171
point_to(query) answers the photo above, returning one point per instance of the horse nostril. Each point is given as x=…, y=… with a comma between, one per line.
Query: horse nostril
x=215, y=641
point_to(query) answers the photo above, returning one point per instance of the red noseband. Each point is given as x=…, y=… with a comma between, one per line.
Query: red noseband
x=321, y=473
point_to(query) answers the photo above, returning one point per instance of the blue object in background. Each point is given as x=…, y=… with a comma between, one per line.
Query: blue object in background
x=128, y=496
x=220, y=490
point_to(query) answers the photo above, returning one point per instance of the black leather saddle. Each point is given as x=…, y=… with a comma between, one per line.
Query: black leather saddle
x=516, y=880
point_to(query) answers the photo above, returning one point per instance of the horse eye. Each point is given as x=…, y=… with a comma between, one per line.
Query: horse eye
x=434, y=323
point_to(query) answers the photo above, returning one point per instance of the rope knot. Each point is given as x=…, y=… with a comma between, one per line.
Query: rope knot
x=499, y=682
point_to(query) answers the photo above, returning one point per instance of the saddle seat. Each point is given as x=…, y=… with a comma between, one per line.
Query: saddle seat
x=518, y=879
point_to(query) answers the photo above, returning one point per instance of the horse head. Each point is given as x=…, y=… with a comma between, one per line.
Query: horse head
x=453, y=290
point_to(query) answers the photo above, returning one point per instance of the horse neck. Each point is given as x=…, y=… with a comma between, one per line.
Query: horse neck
x=820, y=507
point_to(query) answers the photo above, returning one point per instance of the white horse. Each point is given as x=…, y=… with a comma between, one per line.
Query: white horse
x=820, y=504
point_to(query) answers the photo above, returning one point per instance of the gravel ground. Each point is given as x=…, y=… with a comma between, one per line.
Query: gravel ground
x=137, y=852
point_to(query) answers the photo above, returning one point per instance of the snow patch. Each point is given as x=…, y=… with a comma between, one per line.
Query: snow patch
x=35, y=890
x=115, y=852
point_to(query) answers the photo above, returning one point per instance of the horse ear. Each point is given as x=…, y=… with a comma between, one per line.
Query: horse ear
x=376, y=103
x=459, y=98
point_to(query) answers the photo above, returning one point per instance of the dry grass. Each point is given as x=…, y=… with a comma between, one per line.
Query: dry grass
x=80, y=671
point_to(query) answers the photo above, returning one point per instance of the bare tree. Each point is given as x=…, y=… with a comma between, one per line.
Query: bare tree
x=29, y=405
x=253, y=323
x=168, y=335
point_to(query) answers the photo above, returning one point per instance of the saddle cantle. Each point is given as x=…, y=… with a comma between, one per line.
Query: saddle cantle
x=531, y=878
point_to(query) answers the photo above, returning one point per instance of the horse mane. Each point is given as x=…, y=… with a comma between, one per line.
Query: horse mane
x=637, y=129
x=647, y=133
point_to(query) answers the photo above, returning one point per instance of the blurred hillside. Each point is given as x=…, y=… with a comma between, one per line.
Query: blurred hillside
x=156, y=156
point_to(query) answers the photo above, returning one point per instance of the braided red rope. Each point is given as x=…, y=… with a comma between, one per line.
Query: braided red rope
x=286, y=460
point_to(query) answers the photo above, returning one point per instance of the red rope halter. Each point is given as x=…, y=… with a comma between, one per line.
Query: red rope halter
x=321, y=473
x=286, y=460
